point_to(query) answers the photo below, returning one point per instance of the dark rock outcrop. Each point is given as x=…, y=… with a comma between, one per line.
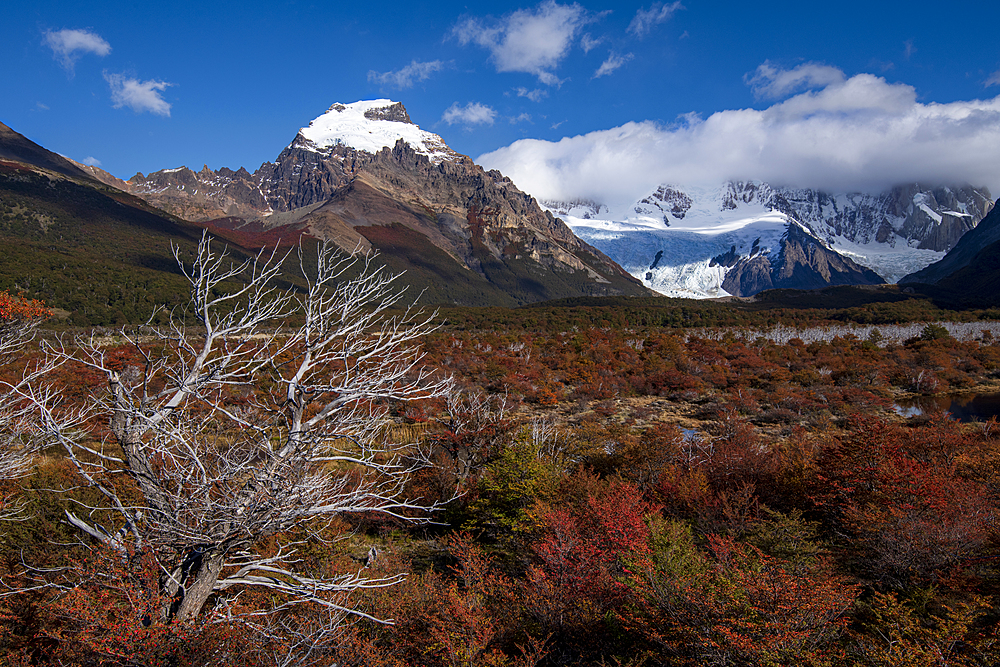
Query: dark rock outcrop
x=985, y=234
x=394, y=112
x=802, y=263
x=666, y=201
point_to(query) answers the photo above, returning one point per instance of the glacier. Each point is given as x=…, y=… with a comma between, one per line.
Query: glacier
x=676, y=238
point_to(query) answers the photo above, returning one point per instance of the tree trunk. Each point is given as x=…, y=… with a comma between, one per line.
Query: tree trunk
x=198, y=586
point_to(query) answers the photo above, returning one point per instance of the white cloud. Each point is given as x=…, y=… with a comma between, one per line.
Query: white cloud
x=771, y=82
x=908, y=49
x=859, y=134
x=647, y=19
x=613, y=62
x=534, y=95
x=407, y=76
x=138, y=95
x=994, y=79
x=472, y=113
x=523, y=118
x=588, y=43
x=532, y=41
x=92, y=161
x=68, y=46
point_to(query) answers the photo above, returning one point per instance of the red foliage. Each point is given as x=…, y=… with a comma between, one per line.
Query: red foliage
x=903, y=501
x=583, y=557
x=470, y=616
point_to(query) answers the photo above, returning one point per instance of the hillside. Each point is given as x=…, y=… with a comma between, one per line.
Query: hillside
x=986, y=233
x=95, y=254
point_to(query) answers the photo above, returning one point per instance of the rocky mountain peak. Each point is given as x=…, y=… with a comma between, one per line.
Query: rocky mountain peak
x=393, y=112
x=363, y=175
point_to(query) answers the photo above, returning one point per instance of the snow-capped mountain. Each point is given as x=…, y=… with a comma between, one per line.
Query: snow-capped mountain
x=370, y=126
x=365, y=176
x=734, y=239
x=322, y=157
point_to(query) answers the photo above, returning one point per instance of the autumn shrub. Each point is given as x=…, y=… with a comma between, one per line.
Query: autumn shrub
x=582, y=555
x=906, y=511
x=469, y=612
x=651, y=452
x=890, y=631
x=729, y=603
x=504, y=506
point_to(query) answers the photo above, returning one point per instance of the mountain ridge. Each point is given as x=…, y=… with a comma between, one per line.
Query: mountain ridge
x=366, y=164
x=985, y=234
x=15, y=146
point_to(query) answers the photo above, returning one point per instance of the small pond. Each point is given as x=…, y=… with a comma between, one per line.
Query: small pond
x=963, y=407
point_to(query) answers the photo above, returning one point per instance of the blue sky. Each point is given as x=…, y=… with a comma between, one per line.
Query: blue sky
x=146, y=86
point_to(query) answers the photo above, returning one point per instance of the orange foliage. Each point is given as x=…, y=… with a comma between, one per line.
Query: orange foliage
x=15, y=309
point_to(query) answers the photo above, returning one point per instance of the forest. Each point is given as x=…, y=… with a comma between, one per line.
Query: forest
x=326, y=477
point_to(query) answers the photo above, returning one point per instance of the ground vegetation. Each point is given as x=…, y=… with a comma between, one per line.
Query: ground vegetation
x=596, y=487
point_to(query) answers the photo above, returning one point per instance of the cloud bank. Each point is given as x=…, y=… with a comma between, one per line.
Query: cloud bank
x=138, y=95
x=531, y=41
x=849, y=134
x=68, y=45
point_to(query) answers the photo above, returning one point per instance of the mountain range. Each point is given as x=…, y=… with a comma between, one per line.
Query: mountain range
x=738, y=239
x=364, y=176
x=744, y=237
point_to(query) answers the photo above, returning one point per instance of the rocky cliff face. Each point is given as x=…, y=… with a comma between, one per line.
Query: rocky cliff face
x=921, y=216
x=802, y=262
x=365, y=166
x=479, y=218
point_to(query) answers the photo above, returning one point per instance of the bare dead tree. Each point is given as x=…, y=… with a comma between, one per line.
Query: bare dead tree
x=229, y=432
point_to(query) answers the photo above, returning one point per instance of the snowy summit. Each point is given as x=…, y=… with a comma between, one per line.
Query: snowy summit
x=371, y=126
